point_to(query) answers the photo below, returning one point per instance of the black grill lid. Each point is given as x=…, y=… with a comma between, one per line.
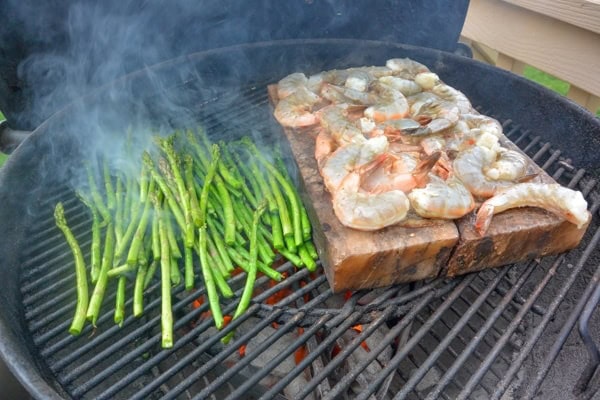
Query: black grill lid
x=54, y=51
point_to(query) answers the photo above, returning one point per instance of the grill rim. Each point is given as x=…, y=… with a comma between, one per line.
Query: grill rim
x=19, y=351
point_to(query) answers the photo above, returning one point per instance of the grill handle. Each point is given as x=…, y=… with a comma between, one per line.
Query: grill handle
x=10, y=139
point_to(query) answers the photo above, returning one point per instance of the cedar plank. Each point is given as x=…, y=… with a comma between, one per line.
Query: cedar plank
x=515, y=235
x=354, y=259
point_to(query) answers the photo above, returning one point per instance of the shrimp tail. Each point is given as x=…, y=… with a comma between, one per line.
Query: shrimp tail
x=527, y=178
x=324, y=146
x=484, y=218
x=424, y=167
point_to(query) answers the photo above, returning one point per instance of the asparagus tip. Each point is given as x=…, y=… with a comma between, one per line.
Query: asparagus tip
x=59, y=215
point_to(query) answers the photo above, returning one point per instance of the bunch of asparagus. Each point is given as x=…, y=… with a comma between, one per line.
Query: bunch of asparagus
x=195, y=206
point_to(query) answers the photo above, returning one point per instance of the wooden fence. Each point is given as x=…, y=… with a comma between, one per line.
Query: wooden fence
x=560, y=37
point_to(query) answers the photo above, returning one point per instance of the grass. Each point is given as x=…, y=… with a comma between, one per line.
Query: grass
x=548, y=81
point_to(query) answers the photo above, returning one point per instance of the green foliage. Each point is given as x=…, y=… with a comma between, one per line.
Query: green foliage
x=548, y=81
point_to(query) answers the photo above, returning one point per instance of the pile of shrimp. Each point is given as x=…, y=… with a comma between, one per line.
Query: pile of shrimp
x=395, y=140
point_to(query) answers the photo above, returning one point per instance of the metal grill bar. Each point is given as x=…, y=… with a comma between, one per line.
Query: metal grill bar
x=532, y=144
x=200, y=349
x=222, y=355
x=405, y=298
x=282, y=356
x=562, y=337
x=524, y=134
x=54, y=287
x=503, y=384
x=520, y=300
x=150, y=342
x=551, y=160
x=417, y=336
x=423, y=368
x=321, y=376
x=477, y=354
x=68, y=340
x=395, y=361
x=53, y=302
x=313, y=383
x=48, y=238
x=543, y=150
x=183, y=385
x=479, y=313
x=64, y=258
x=516, y=364
x=91, y=345
x=509, y=331
x=494, y=333
x=77, y=361
x=194, y=333
x=491, y=320
x=590, y=344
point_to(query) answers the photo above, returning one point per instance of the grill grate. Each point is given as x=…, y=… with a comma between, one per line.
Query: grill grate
x=472, y=336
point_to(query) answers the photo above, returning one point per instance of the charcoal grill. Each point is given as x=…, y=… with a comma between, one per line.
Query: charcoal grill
x=477, y=336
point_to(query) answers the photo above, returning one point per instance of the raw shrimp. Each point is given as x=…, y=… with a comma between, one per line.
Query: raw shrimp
x=333, y=76
x=350, y=157
x=400, y=174
x=385, y=102
x=468, y=167
x=437, y=144
x=448, y=199
x=340, y=77
x=394, y=129
x=324, y=146
x=509, y=165
x=342, y=94
x=406, y=161
x=432, y=144
x=359, y=80
x=407, y=87
x=555, y=198
x=315, y=82
x=435, y=115
x=334, y=118
x=391, y=104
x=290, y=84
x=417, y=100
x=405, y=67
x=296, y=109
x=427, y=80
x=483, y=123
x=367, y=211
x=461, y=137
x=368, y=127
x=489, y=141
x=397, y=148
x=453, y=96
x=375, y=71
